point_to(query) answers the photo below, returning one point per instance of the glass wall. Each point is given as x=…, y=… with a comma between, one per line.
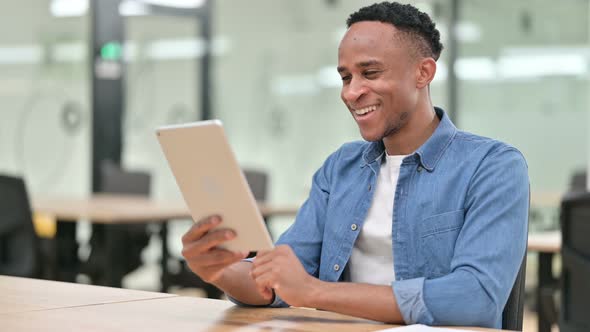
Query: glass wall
x=162, y=87
x=525, y=81
x=44, y=88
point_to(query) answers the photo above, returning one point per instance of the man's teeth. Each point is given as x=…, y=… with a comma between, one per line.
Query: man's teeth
x=365, y=110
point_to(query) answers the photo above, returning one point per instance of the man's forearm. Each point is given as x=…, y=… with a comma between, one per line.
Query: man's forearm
x=237, y=283
x=361, y=300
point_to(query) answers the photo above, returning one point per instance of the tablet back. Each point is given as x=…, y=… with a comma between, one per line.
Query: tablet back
x=212, y=182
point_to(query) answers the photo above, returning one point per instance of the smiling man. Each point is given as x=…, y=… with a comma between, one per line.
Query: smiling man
x=418, y=223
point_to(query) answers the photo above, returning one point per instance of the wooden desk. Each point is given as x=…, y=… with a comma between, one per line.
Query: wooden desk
x=23, y=294
x=547, y=244
x=187, y=314
x=113, y=210
x=164, y=313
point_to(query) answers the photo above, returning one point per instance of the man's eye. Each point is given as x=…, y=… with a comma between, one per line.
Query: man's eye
x=346, y=78
x=370, y=74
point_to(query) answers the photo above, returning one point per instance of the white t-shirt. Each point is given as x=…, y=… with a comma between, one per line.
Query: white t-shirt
x=371, y=260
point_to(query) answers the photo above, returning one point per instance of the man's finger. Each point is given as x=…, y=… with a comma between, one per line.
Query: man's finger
x=266, y=293
x=207, y=242
x=200, y=228
x=263, y=257
x=258, y=271
x=264, y=284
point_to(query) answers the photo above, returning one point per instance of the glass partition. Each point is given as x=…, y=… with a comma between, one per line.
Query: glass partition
x=46, y=122
x=525, y=81
x=162, y=87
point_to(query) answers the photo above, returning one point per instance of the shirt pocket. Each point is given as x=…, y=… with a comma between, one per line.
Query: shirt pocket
x=438, y=235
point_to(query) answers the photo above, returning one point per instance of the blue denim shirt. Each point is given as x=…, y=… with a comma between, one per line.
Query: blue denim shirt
x=459, y=224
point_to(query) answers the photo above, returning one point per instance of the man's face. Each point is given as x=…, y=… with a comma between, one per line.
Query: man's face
x=378, y=78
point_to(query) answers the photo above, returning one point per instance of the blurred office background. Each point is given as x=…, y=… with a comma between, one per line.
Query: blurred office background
x=521, y=71
x=521, y=75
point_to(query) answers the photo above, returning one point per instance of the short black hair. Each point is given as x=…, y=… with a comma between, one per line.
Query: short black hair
x=406, y=18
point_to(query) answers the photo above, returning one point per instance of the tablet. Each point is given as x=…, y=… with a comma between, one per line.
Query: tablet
x=212, y=182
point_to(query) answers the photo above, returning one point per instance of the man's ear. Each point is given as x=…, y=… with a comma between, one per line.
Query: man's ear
x=425, y=72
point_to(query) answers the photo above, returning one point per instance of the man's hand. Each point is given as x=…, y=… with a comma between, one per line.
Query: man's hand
x=281, y=270
x=199, y=248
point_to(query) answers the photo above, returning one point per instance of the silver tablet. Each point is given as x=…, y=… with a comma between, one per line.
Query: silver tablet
x=212, y=182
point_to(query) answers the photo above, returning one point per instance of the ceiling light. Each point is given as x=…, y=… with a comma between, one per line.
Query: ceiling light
x=68, y=8
x=176, y=3
x=133, y=8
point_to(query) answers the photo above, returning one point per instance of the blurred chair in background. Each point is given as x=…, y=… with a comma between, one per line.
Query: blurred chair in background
x=575, y=272
x=513, y=312
x=128, y=240
x=19, y=251
x=258, y=182
x=578, y=181
x=549, y=286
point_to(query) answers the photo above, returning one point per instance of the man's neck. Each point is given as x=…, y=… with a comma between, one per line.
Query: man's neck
x=417, y=131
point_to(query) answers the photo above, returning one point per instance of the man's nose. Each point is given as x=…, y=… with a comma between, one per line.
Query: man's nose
x=353, y=91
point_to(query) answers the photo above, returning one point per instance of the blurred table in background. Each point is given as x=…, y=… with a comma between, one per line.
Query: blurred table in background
x=112, y=210
x=546, y=198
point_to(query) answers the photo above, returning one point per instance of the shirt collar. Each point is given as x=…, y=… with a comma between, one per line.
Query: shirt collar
x=429, y=153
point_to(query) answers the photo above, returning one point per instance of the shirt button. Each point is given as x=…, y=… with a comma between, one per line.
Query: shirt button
x=336, y=267
x=419, y=168
x=353, y=227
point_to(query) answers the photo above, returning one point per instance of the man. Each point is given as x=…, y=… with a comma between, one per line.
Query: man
x=426, y=222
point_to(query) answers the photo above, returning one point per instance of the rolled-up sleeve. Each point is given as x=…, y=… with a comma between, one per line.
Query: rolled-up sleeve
x=408, y=295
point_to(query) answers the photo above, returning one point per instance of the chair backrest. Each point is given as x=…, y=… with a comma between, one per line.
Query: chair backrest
x=258, y=182
x=132, y=238
x=18, y=241
x=575, y=270
x=513, y=310
x=578, y=181
x=116, y=180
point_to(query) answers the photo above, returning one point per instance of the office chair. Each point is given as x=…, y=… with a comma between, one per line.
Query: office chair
x=575, y=270
x=19, y=249
x=550, y=289
x=258, y=182
x=130, y=239
x=578, y=181
x=513, y=310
